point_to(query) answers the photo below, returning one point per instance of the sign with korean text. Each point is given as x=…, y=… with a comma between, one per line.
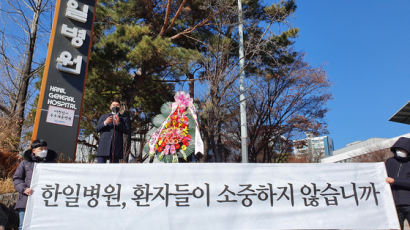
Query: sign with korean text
x=210, y=196
x=61, y=95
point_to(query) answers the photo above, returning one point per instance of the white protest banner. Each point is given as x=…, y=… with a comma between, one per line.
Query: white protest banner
x=210, y=196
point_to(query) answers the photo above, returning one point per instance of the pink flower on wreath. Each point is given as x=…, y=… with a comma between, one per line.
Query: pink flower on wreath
x=182, y=98
x=152, y=149
x=173, y=151
x=166, y=151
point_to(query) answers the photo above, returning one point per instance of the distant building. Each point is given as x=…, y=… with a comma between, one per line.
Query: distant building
x=320, y=146
x=357, y=149
x=367, y=144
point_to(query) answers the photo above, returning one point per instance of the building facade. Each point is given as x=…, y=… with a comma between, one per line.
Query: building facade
x=357, y=149
x=319, y=146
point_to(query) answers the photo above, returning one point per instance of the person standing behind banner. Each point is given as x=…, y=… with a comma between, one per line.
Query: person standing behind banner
x=38, y=153
x=112, y=126
x=398, y=171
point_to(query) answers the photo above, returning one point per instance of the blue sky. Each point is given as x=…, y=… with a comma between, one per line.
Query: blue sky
x=364, y=45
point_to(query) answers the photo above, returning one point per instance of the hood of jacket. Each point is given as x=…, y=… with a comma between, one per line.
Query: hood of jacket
x=403, y=143
x=29, y=156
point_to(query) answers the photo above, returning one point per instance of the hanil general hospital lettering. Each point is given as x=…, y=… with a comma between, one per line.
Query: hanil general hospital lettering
x=57, y=97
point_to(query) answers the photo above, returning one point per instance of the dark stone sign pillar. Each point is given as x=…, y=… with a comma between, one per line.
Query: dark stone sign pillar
x=60, y=102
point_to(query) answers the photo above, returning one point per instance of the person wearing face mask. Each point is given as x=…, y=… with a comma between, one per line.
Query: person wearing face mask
x=38, y=153
x=398, y=171
x=111, y=127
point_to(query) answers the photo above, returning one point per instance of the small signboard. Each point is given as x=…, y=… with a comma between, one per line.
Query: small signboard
x=60, y=116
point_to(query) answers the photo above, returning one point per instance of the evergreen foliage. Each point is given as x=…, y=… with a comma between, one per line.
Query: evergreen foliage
x=142, y=47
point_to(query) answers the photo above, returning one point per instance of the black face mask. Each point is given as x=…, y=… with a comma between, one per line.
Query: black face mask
x=115, y=109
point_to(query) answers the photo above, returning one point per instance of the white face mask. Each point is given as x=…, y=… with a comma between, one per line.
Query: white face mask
x=42, y=153
x=401, y=153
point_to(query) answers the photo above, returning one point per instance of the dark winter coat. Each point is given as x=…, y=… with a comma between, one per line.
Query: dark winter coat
x=398, y=168
x=24, y=172
x=106, y=143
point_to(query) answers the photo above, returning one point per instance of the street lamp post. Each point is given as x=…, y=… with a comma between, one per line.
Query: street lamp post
x=244, y=131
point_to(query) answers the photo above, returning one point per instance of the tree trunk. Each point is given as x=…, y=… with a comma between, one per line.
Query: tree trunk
x=127, y=141
x=141, y=147
x=191, y=85
x=204, y=157
x=129, y=99
x=26, y=74
x=213, y=146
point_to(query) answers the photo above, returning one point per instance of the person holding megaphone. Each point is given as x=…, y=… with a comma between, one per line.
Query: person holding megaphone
x=111, y=127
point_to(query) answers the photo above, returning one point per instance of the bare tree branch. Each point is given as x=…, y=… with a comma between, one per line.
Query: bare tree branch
x=181, y=6
x=193, y=28
x=5, y=110
x=168, y=10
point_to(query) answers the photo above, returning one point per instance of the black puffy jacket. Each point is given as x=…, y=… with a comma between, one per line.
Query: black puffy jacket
x=24, y=172
x=398, y=168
